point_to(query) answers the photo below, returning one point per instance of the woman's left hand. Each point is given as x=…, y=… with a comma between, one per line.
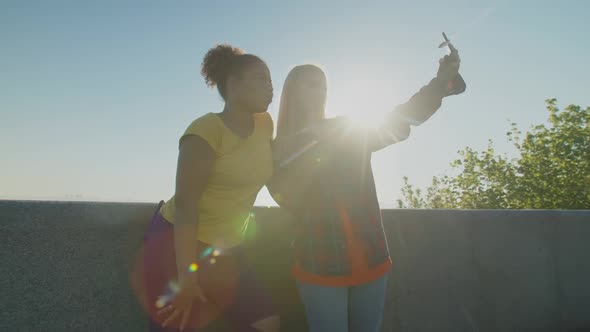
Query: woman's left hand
x=181, y=305
x=448, y=69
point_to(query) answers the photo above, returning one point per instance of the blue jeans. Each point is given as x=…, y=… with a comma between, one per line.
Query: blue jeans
x=342, y=309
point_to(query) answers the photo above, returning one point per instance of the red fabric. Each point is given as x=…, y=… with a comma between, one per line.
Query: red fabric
x=230, y=285
x=361, y=273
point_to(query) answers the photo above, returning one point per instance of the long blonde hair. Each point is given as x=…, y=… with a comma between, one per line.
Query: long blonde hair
x=287, y=124
x=287, y=144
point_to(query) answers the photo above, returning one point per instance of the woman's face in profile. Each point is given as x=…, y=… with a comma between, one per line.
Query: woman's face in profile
x=255, y=87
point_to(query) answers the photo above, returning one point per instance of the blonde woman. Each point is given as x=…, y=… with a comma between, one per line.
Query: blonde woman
x=323, y=177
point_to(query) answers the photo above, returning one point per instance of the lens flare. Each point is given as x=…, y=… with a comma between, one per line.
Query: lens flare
x=174, y=287
x=161, y=302
x=206, y=252
x=193, y=267
x=297, y=154
x=278, y=197
x=216, y=252
x=213, y=261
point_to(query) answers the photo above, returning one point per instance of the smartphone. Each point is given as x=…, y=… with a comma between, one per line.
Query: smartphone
x=447, y=43
x=459, y=85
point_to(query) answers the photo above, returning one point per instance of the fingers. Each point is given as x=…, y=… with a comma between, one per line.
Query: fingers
x=172, y=317
x=454, y=58
x=451, y=59
x=448, y=59
x=201, y=296
x=453, y=49
x=185, y=316
x=165, y=310
x=175, y=310
x=180, y=306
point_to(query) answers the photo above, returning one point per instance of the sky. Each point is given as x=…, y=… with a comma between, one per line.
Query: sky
x=95, y=94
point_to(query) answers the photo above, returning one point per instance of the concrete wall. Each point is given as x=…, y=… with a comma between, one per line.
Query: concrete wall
x=66, y=267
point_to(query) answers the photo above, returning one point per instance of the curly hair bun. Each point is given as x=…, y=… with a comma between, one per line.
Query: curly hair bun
x=217, y=63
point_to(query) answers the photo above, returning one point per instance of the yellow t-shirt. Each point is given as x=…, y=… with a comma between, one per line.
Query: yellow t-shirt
x=241, y=168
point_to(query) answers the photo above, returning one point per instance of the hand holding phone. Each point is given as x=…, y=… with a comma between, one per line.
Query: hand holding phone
x=449, y=68
x=448, y=43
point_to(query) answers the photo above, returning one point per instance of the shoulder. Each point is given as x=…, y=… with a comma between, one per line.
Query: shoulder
x=264, y=121
x=208, y=127
x=209, y=120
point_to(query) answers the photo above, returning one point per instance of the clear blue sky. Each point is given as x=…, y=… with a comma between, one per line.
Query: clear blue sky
x=94, y=94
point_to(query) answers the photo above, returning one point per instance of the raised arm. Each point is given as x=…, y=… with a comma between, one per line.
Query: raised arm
x=421, y=106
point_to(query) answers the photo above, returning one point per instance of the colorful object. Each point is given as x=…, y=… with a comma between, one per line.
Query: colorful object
x=173, y=286
x=207, y=252
x=232, y=304
x=161, y=302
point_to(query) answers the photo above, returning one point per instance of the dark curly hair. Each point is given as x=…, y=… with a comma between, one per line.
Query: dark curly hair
x=223, y=61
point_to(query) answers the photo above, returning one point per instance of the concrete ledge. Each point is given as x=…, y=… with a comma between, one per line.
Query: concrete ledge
x=66, y=267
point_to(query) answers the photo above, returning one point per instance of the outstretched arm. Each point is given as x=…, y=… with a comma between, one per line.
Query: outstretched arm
x=421, y=106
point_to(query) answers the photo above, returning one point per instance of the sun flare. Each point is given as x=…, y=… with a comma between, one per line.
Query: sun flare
x=364, y=101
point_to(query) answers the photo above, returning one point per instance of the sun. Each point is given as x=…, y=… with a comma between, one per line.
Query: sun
x=364, y=101
x=365, y=116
